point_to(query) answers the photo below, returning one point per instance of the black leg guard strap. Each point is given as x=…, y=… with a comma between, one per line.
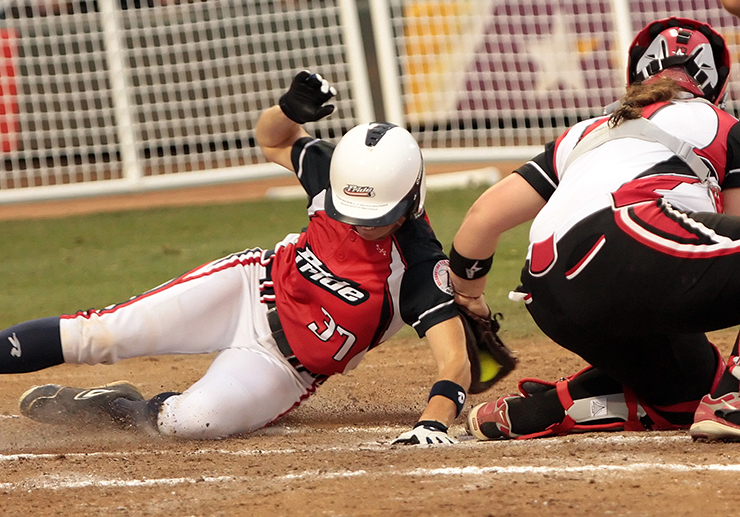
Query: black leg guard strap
x=730, y=381
x=590, y=401
x=31, y=346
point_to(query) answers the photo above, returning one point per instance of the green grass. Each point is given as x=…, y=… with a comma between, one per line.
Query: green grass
x=55, y=266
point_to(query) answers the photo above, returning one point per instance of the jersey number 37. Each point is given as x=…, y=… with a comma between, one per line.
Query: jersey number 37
x=331, y=328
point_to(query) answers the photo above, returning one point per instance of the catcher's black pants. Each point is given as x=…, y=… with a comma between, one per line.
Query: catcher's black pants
x=633, y=290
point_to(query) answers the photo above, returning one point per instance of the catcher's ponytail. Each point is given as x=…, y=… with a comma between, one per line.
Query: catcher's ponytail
x=640, y=95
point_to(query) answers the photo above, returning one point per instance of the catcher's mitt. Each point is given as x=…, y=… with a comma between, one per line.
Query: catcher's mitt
x=490, y=359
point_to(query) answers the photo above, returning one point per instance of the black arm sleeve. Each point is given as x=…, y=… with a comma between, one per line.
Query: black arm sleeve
x=540, y=172
x=311, y=160
x=426, y=292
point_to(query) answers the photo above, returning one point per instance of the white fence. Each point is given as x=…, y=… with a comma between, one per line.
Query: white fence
x=107, y=96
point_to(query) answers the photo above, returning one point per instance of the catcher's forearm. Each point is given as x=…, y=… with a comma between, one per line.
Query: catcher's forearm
x=733, y=6
x=509, y=203
x=467, y=289
x=469, y=293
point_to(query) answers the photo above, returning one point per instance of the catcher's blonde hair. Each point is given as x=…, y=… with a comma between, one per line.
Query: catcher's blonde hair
x=640, y=95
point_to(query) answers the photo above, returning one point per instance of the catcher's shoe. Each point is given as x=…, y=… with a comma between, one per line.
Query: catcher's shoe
x=490, y=421
x=717, y=419
x=55, y=404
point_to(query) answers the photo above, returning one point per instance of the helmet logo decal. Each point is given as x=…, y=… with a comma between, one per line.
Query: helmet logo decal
x=359, y=191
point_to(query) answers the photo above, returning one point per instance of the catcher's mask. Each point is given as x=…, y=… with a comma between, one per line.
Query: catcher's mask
x=689, y=52
x=376, y=176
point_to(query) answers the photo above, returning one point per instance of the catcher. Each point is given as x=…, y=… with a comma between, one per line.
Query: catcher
x=282, y=320
x=634, y=252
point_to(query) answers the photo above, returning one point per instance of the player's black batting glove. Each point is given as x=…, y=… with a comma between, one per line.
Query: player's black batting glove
x=426, y=432
x=304, y=101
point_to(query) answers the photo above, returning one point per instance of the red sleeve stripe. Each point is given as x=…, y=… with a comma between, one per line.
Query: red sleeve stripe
x=244, y=258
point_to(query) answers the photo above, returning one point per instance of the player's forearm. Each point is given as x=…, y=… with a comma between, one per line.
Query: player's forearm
x=509, y=203
x=478, y=236
x=447, y=341
x=275, y=131
x=469, y=293
x=441, y=408
x=474, y=246
x=733, y=6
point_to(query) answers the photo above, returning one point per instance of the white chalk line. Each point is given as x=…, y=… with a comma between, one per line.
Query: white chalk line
x=466, y=441
x=600, y=439
x=532, y=469
x=73, y=481
x=57, y=482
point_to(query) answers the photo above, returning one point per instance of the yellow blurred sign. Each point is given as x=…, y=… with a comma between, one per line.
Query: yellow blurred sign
x=439, y=38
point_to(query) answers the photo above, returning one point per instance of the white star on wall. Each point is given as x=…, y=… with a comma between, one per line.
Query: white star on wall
x=557, y=57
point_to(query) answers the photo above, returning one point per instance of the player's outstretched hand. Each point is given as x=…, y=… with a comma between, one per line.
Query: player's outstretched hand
x=426, y=432
x=304, y=101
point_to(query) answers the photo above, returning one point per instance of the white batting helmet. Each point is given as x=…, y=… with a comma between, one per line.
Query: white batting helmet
x=376, y=176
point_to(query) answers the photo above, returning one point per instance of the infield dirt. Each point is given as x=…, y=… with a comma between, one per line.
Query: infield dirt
x=332, y=456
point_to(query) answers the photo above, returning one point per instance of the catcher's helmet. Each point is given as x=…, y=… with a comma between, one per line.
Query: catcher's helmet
x=376, y=176
x=690, y=52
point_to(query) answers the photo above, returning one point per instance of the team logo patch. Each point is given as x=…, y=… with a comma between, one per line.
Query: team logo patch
x=16, y=344
x=598, y=407
x=441, y=276
x=359, y=191
x=95, y=392
x=316, y=272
